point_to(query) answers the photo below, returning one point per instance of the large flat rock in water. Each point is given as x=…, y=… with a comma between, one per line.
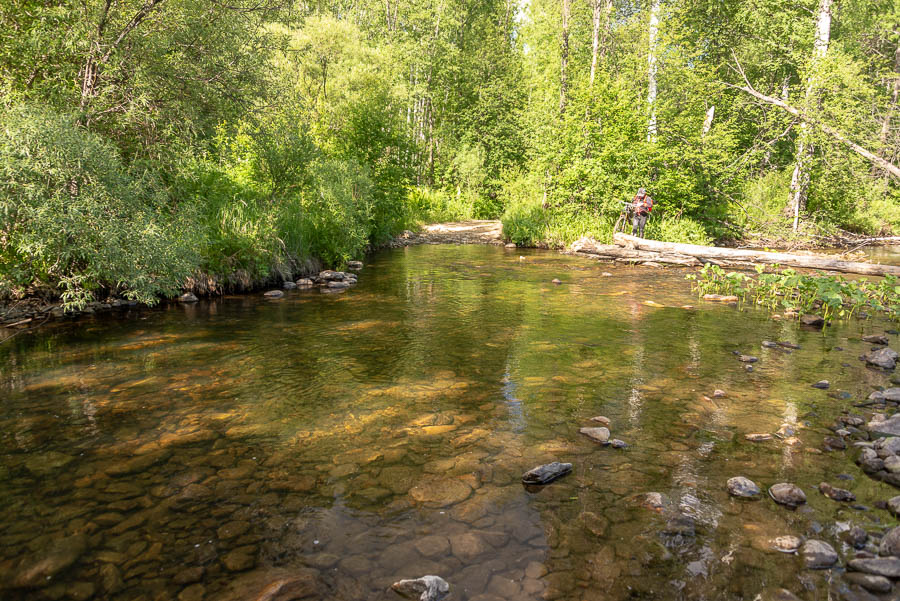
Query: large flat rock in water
x=889, y=427
x=436, y=490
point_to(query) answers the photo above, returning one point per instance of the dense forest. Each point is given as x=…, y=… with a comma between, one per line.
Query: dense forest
x=150, y=145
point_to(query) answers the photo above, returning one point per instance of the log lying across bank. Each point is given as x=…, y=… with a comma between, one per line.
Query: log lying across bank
x=640, y=250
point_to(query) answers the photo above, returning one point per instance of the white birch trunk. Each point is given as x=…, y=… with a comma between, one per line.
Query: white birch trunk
x=707, y=123
x=564, y=59
x=596, y=40
x=800, y=176
x=651, y=71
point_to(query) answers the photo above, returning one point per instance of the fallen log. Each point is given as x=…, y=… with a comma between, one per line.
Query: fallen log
x=707, y=253
x=588, y=246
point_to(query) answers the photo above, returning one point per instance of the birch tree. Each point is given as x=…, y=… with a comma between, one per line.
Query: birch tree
x=651, y=70
x=564, y=58
x=800, y=176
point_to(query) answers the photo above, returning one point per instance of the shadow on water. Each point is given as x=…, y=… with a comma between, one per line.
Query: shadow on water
x=342, y=442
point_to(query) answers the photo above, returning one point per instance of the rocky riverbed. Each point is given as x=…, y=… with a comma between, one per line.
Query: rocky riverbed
x=329, y=446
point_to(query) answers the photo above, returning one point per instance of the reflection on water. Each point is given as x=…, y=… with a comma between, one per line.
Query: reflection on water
x=338, y=443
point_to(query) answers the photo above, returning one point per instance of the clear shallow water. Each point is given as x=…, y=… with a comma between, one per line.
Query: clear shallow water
x=209, y=451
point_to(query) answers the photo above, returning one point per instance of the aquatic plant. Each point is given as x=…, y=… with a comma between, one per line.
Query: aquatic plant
x=774, y=288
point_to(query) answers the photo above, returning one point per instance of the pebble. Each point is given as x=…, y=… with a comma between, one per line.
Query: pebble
x=788, y=494
x=822, y=384
x=818, y=555
x=836, y=494
x=747, y=359
x=618, y=444
x=274, y=294
x=556, y=281
x=600, y=435
x=601, y=419
x=739, y=486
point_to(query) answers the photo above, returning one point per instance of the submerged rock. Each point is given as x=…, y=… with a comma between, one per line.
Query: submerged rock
x=274, y=294
x=884, y=358
x=618, y=444
x=889, y=394
x=788, y=494
x=890, y=543
x=880, y=566
x=426, y=588
x=876, y=339
x=600, y=435
x=836, y=494
x=758, y=437
x=289, y=285
x=889, y=426
x=876, y=584
x=601, y=420
x=822, y=384
x=35, y=570
x=790, y=345
x=815, y=321
x=187, y=297
x=305, y=283
x=739, y=486
x=544, y=474
x=818, y=555
x=747, y=359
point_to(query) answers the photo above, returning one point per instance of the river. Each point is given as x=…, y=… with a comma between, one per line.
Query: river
x=208, y=451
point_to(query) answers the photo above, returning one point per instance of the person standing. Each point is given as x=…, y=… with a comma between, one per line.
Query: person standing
x=641, y=204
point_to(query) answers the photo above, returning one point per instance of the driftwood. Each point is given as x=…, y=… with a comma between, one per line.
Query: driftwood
x=716, y=254
x=587, y=246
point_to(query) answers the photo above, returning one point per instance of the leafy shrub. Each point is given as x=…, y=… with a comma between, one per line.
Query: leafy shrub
x=677, y=229
x=426, y=205
x=76, y=219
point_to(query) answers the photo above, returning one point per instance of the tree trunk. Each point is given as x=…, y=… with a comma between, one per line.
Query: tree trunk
x=800, y=177
x=564, y=59
x=707, y=123
x=888, y=150
x=595, y=50
x=607, y=27
x=754, y=256
x=651, y=70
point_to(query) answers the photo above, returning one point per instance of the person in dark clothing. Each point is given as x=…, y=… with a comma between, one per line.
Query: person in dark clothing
x=641, y=204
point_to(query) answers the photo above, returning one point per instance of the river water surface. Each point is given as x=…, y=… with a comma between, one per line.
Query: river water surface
x=210, y=451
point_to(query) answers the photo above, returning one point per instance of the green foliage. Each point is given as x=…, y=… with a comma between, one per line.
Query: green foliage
x=832, y=296
x=433, y=206
x=75, y=218
x=674, y=229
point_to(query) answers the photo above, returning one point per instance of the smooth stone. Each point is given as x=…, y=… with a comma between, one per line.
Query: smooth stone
x=893, y=505
x=617, y=444
x=328, y=275
x=274, y=294
x=758, y=437
x=432, y=546
x=890, y=543
x=240, y=559
x=193, y=592
x=354, y=264
x=822, y=384
x=889, y=394
x=601, y=419
x=111, y=579
x=876, y=584
x=889, y=426
x=189, y=575
x=544, y=474
x=880, y=566
x=467, y=546
x=818, y=555
x=289, y=285
x=233, y=529
x=739, y=486
x=35, y=570
x=884, y=358
x=788, y=494
x=836, y=494
x=338, y=285
x=855, y=537
x=812, y=320
x=747, y=359
x=876, y=339
x=305, y=283
x=43, y=464
x=556, y=281
x=436, y=490
x=187, y=297
x=600, y=435
x=426, y=588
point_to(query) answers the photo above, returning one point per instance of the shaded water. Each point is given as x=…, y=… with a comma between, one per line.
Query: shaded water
x=207, y=451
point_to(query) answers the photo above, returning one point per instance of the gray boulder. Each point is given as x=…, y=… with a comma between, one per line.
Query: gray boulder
x=818, y=555
x=740, y=486
x=600, y=434
x=544, y=474
x=788, y=494
x=884, y=358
